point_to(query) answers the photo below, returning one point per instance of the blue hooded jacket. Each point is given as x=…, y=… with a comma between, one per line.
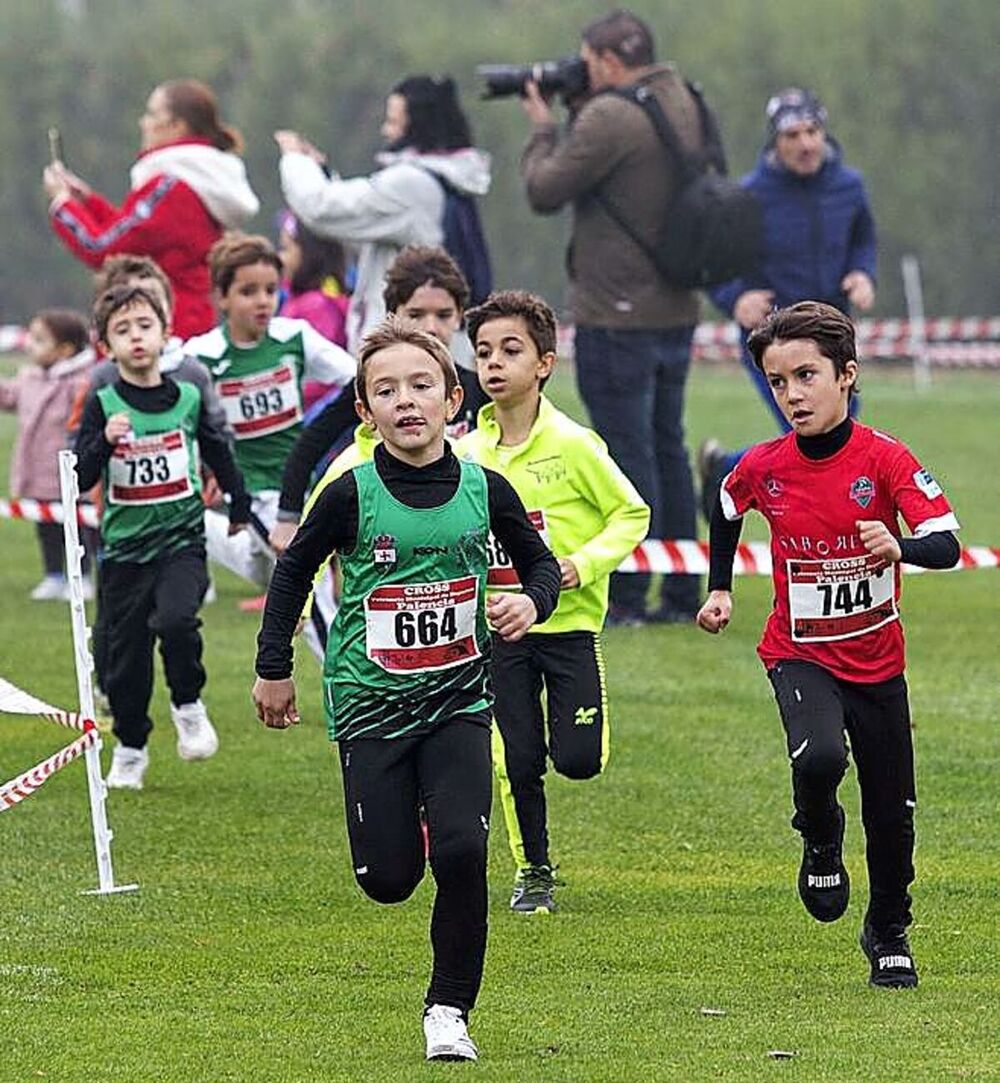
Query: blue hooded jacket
x=816, y=230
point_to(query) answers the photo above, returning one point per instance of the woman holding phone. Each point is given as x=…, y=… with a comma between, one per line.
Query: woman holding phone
x=187, y=185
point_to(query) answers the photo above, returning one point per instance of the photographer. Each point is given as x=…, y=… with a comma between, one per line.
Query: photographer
x=633, y=330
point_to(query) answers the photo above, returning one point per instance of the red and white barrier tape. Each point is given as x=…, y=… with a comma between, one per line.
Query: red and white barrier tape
x=682, y=557
x=943, y=329
x=973, y=341
x=753, y=558
x=46, y=511
x=953, y=354
x=14, y=701
x=13, y=339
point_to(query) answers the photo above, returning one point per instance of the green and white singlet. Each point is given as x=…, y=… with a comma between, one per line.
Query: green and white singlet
x=260, y=388
x=152, y=483
x=409, y=646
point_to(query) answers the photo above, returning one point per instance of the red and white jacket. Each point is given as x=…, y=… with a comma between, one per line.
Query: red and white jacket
x=183, y=195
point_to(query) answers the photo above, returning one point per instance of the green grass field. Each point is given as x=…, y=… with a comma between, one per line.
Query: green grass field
x=248, y=953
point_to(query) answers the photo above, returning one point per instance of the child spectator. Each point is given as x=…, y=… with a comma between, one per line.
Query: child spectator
x=313, y=289
x=592, y=517
x=42, y=395
x=143, y=436
x=405, y=680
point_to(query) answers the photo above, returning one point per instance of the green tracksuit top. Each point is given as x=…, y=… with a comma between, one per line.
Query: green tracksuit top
x=409, y=646
x=152, y=483
x=577, y=496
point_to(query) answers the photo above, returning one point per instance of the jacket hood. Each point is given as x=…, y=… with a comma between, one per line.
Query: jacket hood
x=466, y=169
x=218, y=177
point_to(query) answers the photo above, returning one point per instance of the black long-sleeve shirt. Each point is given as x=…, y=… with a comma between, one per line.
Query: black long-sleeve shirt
x=214, y=444
x=332, y=525
x=937, y=550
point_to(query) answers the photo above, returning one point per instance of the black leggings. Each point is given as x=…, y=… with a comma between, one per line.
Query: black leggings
x=447, y=771
x=569, y=666
x=139, y=604
x=816, y=710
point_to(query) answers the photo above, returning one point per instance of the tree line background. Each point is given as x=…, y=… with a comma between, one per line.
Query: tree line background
x=910, y=85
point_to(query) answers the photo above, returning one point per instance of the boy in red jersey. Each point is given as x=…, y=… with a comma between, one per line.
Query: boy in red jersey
x=832, y=491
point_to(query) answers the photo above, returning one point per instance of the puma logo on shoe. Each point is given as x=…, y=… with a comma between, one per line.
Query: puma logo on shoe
x=895, y=962
x=825, y=881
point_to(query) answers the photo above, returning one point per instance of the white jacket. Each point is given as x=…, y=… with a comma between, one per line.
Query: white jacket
x=379, y=215
x=218, y=177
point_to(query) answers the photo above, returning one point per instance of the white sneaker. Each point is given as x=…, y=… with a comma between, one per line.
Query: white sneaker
x=446, y=1034
x=196, y=736
x=87, y=589
x=53, y=588
x=128, y=765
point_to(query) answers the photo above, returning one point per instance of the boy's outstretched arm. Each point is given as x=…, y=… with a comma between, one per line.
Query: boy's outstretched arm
x=216, y=451
x=723, y=539
x=600, y=481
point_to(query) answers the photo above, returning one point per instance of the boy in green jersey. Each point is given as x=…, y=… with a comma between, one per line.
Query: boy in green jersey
x=258, y=362
x=143, y=437
x=406, y=680
x=592, y=517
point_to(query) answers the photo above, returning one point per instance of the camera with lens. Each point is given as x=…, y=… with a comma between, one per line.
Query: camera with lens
x=566, y=77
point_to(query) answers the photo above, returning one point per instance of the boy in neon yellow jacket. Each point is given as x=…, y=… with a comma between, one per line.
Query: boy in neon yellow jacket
x=591, y=516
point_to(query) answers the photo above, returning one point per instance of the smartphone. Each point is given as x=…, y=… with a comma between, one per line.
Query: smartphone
x=55, y=145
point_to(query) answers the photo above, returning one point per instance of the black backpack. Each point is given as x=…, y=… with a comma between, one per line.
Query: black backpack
x=464, y=240
x=713, y=226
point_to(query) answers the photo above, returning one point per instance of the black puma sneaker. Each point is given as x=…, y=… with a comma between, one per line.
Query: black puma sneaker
x=891, y=960
x=824, y=885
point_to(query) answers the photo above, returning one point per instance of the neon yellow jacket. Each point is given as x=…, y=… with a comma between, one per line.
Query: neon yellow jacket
x=586, y=508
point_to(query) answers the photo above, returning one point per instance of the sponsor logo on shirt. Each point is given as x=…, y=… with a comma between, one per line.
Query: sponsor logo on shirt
x=862, y=491
x=773, y=486
x=384, y=549
x=546, y=471
x=926, y=484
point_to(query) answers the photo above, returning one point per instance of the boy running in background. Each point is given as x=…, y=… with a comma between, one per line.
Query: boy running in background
x=425, y=286
x=833, y=491
x=258, y=362
x=592, y=517
x=129, y=270
x=142, y=437
x=405, y=683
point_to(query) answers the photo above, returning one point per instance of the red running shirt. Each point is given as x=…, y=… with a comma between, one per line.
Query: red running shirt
x=834, y=603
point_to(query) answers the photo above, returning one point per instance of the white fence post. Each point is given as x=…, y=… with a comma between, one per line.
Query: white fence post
x=84, y=666
x=913, y=290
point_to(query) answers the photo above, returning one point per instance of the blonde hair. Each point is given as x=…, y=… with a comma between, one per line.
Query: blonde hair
x=398, y=331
